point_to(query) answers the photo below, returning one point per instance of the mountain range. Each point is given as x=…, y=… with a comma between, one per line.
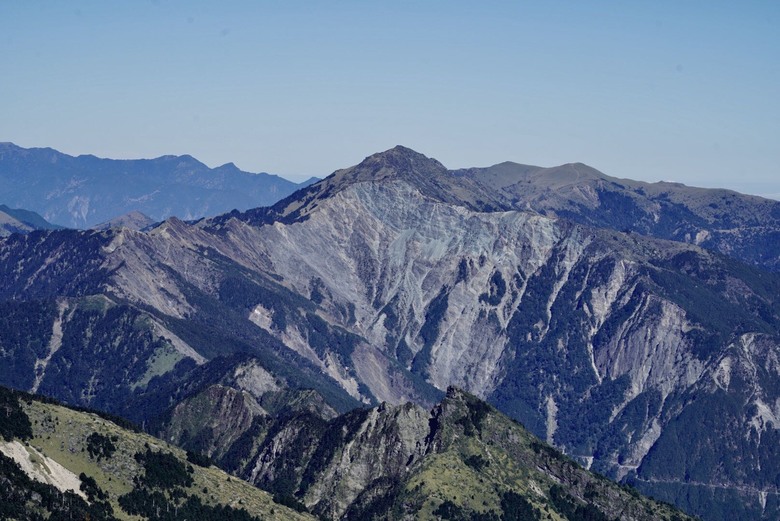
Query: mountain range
x=634, y=326
x=84, y=191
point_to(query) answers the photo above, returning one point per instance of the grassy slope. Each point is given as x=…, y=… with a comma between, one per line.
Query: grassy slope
x=61, y=434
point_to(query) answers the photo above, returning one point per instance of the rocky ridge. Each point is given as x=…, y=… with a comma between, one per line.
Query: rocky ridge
x=461, y=460
x=741, y=226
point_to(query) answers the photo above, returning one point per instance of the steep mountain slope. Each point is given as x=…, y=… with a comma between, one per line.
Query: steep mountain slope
x=84, y=191
x=76, y=465
x=741, y=226
x=463, y=460
x=427, y=175
x=15, y=220
x=96, y=352
x=68, y=331
x=551, y=321
x=391, y=281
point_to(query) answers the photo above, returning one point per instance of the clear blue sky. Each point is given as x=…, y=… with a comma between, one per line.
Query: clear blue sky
x=654, y=90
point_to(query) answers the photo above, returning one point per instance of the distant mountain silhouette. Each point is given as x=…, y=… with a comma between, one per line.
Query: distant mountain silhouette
x=17, y=220
x=84, y=191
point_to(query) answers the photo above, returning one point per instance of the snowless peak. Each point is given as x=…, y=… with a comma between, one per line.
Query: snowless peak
x=397, y=163
x=229, y=166
x=402, y=159
x=133, y=220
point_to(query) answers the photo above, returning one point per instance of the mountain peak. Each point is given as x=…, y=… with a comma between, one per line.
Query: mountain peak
x=7, y=147
x=397, y=162
x=229, y=167
x=400, y=152
x=134, y=220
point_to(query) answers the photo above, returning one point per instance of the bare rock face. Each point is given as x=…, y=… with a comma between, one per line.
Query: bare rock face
x=382, y=447
x=565, y=327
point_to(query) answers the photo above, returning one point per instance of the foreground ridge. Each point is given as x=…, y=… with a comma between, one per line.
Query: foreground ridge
x=463, y=460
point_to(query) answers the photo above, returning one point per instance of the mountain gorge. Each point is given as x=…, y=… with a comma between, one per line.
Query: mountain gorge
x=558, y=298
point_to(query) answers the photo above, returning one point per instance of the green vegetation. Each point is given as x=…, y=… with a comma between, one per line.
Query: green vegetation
x=220, y=329
x=477, y=411
x=163, y=470
x=241, y=450
x=90, y=487
x=14, y=422
x=476, y=462
x=429, y=332
x=434, y=314
x=697, y=283
x=518, y=508
x=196, y=458
x=573, y=510
x=497, y=475
x=77, y=271
x=100, y=446
x=496, y=291
x=153, y=478
x=104, y=350
x=25, y=331
x=156, y=506
x=476, y=465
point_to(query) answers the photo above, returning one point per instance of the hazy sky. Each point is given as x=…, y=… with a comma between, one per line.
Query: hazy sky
x=654, y=90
